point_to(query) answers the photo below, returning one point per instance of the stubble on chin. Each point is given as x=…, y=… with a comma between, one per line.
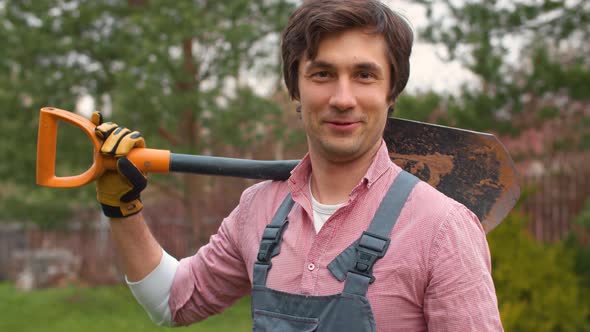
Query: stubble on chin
x=339, y=150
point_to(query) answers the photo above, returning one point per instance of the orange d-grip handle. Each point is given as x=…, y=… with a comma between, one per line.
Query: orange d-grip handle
x=147, y=160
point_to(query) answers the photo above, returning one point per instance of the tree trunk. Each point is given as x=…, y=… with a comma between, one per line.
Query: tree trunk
x=194, y=200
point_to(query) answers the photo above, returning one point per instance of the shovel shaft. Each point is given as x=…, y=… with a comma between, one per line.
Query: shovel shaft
x=243, y=168
x=162, y=161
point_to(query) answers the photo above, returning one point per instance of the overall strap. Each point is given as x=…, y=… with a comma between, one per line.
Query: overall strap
x=270, y=244
x=357, y=261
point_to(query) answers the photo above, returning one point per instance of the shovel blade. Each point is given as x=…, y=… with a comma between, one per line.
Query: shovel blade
x=471, y=167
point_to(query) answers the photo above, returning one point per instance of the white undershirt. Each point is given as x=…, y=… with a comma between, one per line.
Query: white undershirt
x=321, y=212
x=153, y=291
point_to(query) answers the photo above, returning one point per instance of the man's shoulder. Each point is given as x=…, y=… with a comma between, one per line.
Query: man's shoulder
x=268, y=187
x=439, y=210
x=429, y=203
x=258, y=204
x=265, y=193
x=425, y=192
x=430, y=217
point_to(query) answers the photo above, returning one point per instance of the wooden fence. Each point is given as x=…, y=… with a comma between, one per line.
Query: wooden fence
x=88, y=243
x=554, y=200
x=12, y=238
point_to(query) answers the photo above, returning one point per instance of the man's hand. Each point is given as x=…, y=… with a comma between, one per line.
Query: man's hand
x=119, y=191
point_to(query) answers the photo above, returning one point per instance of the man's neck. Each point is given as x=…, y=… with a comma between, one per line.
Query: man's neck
x=332, y=182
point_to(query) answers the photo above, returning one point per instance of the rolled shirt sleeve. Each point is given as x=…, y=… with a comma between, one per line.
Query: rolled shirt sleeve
x=460, y=295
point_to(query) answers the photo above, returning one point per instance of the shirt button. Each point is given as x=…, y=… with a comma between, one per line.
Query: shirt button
x=310, y=266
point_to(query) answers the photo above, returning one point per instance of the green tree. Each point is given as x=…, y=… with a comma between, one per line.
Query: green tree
x=536, y=284
x=551, y=71
x=419, y=107
x=579, y=242
x=177, y=71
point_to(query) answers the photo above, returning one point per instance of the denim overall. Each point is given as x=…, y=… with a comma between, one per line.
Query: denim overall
x=350, y=310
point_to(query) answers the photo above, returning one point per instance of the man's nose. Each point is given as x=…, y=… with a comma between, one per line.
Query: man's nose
x=343, y=97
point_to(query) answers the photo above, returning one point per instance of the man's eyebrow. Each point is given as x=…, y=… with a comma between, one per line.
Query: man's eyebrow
x=321, y=64
x=315, y=64
x=368, y=66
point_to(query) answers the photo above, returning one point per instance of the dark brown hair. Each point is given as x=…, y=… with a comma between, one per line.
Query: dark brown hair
x=315, y=18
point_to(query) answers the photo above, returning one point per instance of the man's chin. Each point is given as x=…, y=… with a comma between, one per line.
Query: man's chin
x=340, y=153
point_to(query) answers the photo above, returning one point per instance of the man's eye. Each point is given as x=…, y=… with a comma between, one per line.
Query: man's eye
x=321, y=74
x=365, y=75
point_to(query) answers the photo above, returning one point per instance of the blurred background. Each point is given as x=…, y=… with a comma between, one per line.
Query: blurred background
x=203, y=77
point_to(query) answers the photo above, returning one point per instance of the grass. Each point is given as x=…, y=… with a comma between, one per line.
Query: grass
x=98, y=309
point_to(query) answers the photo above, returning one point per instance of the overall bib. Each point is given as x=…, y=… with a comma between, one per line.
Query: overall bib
x=350, y=310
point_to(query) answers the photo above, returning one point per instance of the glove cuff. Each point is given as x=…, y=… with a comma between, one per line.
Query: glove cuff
x=124, y=210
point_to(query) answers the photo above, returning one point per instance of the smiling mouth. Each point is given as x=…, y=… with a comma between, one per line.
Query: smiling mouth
x=339, y=125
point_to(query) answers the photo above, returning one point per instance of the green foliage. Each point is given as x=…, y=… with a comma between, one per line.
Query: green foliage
x=579, y=242
x=536, y=285
x=561, y=144
x=477, y=111
x=417, y=107
x=97, y=309
x=240, y=124
x=550, y=36
x=170, y=69
x=548, y=113
x=584, y=127
x=549, y=73
x=584, y=142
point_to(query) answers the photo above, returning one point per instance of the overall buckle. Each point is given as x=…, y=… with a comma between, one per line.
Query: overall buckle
x=271, y=237
x=369, y=249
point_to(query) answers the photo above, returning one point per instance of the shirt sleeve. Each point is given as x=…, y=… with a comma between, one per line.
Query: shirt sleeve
x=460, y=295
x=153, y=291
x=215, y=277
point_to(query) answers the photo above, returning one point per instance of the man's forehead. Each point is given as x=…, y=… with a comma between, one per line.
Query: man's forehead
x=357, y=42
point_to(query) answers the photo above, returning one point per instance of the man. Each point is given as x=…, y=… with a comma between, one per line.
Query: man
x=349, y=242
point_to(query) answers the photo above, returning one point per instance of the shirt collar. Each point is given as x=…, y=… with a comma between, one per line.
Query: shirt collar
x=300, y=175
x=380, y=165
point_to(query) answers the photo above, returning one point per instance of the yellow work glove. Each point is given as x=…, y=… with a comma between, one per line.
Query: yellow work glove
x=118, y=190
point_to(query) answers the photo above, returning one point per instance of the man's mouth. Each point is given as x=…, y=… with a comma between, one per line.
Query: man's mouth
x=343, y=125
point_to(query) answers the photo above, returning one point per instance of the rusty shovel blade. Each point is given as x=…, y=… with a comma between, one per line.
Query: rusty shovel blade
x=471, y=167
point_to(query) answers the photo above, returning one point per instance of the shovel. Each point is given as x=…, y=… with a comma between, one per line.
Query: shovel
x=471, y=167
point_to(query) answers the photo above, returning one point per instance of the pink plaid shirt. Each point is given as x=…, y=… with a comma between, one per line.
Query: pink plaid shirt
x=435, y=275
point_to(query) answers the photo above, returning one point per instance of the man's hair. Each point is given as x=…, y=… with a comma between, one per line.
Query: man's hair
x=315, y=18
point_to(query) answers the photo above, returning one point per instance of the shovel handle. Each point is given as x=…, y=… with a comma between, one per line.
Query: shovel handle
x=147, y=160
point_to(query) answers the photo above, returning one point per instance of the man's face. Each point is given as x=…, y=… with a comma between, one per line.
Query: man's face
x=343, y=94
